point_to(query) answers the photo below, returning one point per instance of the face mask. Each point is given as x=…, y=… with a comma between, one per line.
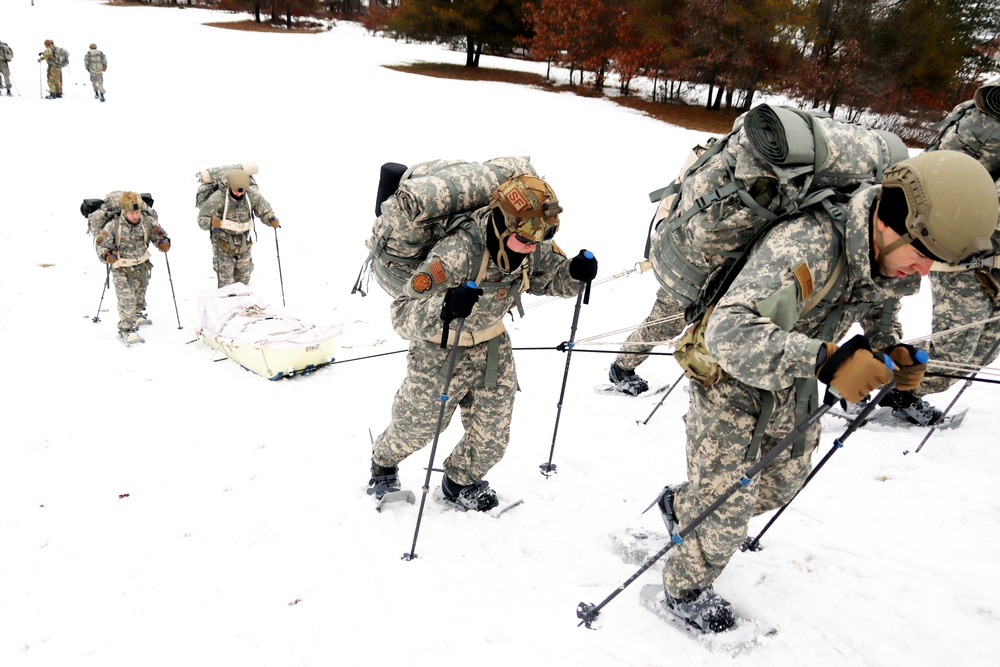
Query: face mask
x=496, y=244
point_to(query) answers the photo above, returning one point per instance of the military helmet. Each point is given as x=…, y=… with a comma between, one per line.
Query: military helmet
x=951, y=204
x=239, y=181
x=130, y=201
x=530, y=207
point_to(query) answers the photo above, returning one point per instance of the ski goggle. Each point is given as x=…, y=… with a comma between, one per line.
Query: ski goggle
x=535, y=230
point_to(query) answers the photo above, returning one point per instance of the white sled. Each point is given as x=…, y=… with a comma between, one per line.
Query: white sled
x=260, y=338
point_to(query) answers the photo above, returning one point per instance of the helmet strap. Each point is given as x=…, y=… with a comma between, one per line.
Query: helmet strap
x=884, y=250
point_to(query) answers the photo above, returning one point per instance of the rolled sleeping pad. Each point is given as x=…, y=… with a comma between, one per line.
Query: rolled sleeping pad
x=388, y=182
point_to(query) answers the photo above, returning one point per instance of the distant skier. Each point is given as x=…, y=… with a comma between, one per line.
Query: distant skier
x=124, y=244
x=96, y=63
x=6, y=55
x=55, y=80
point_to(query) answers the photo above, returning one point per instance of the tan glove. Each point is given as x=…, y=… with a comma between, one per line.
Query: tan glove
x=217, y=221
x=911, y=364
x=110, y=257
x=273, y=222
x=853, y=369
x=163, y=245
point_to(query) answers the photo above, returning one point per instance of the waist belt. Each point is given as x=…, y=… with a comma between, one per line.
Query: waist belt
x=470, y=338
x=125, y=262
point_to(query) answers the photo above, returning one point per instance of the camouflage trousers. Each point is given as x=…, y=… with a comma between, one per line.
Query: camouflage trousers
x=637, y=348
x=485, y=407
x=4, y=74
x=55, y=80
x=959, y=299
x=97, y=81
x=720, y=424
x=231, y=268
x=130, y=290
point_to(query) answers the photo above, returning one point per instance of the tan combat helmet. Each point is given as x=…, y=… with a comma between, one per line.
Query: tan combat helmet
x=239, y=181
x=951, y=204
x=530, y=207
x=130, y=201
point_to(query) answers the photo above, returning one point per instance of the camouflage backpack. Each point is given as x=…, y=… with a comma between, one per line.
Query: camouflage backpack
x=210, y=179
x=973, y=128
x=417, y=207
x=99, y=212
x=60, y=56
x=6, y=53
x=776, y=162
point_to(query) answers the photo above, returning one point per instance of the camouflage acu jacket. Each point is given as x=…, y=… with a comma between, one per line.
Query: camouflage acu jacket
x=126, y=240
x=756, y=333
x=416, y=314
x=238, y=210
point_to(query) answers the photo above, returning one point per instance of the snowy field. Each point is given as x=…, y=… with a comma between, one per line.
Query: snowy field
x=159, y=508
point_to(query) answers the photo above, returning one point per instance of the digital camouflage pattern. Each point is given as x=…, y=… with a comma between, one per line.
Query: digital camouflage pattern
x=973, y=132
x=761, y=351
x=54, y=72
x=95, y=62
x=5, y=57
x=486, y=402
x=664, y=322
x=231, y=256
x=685, y=253
x=959, y=297
x=414, y=217
x=129, y=241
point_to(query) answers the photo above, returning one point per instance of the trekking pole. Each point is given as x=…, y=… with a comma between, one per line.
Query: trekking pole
x=107, y=279
x=549, y=468
x=449, y=373
x=278, y=253
x=753, y=544
x=968, y=383
x=587, y=613
x=172, y=293
x=676, y=382
x=41, y=88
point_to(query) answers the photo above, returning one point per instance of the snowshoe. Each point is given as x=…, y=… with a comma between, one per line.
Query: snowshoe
x=907, y=407
x=142, y=320
x=384, y=485
x=130, y=337
x=702, y=609
x=626, y=381
x=478, y=496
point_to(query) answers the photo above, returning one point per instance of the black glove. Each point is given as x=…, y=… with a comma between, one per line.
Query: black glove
x=583, y=267
x=458, y=301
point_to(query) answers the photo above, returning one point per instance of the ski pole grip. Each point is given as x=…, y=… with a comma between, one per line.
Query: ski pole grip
x=921, y=356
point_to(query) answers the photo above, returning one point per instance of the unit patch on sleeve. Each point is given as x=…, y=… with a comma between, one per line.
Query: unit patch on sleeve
x=421, y=282
x=437, y=271
x=804, y=279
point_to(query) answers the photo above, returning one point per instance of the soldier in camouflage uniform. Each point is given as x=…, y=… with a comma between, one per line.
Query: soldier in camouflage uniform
x=228, y=215
x=124, y=244
x=664, y=322
x=6, y=54
x=54, y=73
x=971, y=295
x=520, y=256
x=768, y=353
x=96, y=63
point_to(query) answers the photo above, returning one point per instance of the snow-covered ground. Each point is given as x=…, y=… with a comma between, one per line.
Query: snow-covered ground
x=158, y=508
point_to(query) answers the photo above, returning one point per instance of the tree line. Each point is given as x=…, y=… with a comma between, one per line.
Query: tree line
x=887, y=57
